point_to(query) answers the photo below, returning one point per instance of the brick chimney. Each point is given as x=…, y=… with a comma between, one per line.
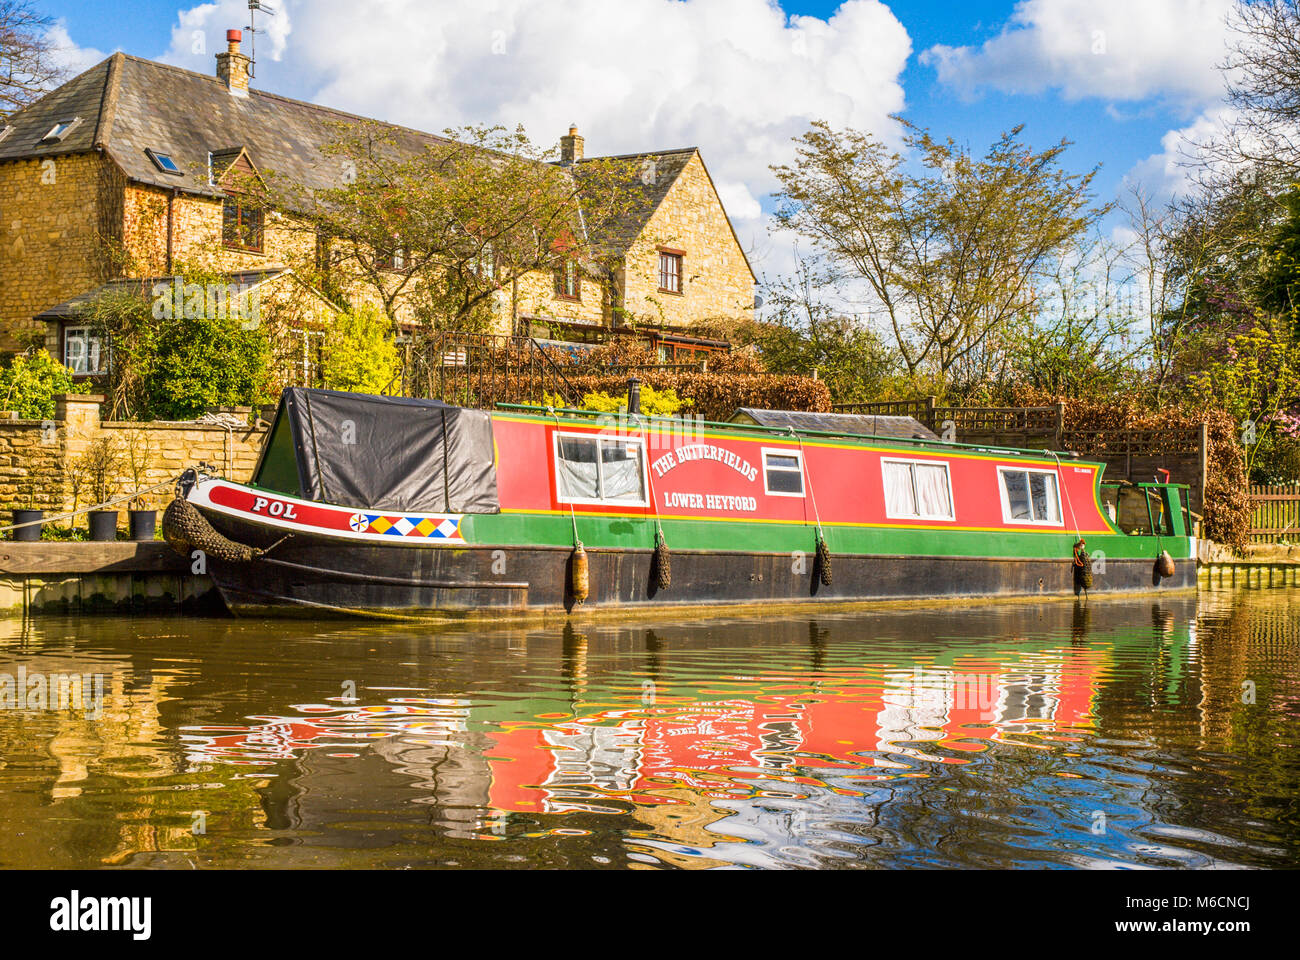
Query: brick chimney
x=232, y=66
x=571, y=147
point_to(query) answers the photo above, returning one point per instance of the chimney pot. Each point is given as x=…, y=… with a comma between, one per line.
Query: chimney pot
x=233, y=66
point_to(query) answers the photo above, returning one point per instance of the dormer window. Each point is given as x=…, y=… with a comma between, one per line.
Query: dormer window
x=164, y=162
x=60, y=130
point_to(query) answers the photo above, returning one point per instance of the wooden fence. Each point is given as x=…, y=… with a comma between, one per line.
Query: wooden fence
x=1275, y=513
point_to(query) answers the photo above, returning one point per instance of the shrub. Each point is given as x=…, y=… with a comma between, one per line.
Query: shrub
x=361, y=356
x=30, y=382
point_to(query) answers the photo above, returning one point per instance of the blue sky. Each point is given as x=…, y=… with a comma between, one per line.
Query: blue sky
x=1117, y=77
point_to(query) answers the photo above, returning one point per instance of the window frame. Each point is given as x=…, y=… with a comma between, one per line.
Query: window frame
x=1006, y=502
x=561, y=282
x=679, y=258
x=765, y=452
x=88, y=332
x=240, y=208
x=557, y=435
x=158, y=157
x=912, y=463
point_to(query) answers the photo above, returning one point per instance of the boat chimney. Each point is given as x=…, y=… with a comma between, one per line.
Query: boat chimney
x=633, y=397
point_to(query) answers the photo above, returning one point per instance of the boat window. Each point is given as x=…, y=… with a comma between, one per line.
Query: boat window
x=917, y=490
x=783, y=473
x=1030, y=496
x=599, y=470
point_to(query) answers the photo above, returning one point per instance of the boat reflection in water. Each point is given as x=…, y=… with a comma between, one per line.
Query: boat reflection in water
x=1013, y=735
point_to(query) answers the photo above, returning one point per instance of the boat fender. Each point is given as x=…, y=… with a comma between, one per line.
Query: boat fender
x=581, y=580
x=1082, y=566
x=663, y=563
x=1165, y=564
x=185, y=530
x=823, y=562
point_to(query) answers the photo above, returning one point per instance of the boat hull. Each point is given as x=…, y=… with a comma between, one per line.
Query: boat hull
x=310, y=575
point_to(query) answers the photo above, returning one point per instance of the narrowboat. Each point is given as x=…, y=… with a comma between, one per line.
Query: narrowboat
x=395, y=507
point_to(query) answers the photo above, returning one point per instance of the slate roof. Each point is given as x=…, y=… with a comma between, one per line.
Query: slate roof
x=143, y=286
x=128, y=105
x=852, y=424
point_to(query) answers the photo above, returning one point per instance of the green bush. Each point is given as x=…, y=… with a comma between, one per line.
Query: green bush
x=361, y=356
x=30, y=382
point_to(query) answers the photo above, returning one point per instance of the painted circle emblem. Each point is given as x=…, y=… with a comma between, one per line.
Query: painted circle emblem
x=359, y=522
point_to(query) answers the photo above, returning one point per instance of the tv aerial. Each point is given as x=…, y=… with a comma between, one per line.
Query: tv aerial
x=255, y=7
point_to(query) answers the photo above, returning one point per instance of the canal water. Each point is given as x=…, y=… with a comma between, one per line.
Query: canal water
x=1141, y=733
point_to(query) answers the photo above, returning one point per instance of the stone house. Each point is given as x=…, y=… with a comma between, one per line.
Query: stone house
x=129, y=168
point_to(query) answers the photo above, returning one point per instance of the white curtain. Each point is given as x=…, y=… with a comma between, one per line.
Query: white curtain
x=1047, y=505
x=622, y=468
x=1015, y=482
x=900, y=498
x=932, y=490
x=576, y=470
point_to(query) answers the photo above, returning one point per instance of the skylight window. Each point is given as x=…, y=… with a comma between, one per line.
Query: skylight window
x=164, y=162
x=5, y=131
x=60, y=130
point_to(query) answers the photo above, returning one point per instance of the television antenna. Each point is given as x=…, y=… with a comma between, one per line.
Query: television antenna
x=254, y=6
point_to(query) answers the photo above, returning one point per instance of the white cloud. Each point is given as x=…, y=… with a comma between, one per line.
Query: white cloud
x=68, y=55
x=1126, y=50
x=200, y=33
x=1171, y=171
x=737, y=78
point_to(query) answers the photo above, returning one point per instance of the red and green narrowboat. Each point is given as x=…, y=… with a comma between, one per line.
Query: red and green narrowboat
x=382, y=506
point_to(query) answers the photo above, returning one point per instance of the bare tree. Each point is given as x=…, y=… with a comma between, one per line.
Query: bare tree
x=27, y=66
x=1263, y=71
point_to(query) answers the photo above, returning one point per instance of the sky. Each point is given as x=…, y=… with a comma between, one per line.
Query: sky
x=1125, y=80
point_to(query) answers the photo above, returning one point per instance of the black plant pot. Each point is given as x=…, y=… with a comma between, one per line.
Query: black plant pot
x=103, y=525
x=28, y=534
x=142, y=524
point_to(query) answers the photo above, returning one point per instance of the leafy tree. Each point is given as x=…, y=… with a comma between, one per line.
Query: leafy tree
x=30, y=382
x=361, y=355
x=951, y=246
x=442, y=230
x=802, y=333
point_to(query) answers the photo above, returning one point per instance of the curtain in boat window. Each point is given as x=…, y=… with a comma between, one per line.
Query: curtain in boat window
x=1042, y=490
x=900, y=499
x=577, y=473
x=1032, y=496
x=1016, y=485
x=620, y=471
x=932, y=498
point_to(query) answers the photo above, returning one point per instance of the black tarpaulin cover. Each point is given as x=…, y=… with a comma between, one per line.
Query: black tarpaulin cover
x=384, y=453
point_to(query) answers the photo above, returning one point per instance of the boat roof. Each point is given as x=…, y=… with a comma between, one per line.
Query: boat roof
x=782, y=431
x=857, y=424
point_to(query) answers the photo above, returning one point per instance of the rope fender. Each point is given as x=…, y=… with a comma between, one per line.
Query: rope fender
x=185, y=529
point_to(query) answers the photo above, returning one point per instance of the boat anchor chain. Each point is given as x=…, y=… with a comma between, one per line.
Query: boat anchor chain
x=185, y=529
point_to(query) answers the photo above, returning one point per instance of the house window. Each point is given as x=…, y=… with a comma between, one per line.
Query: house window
x=782, y=473
x=599, y=470
x=567, y=284
x=1029, y=496
x=60, y=130
x=81, y=351
x=393, y=259
x=165, y=162
x=241, y=226
x=917, y=490
x=670, y=272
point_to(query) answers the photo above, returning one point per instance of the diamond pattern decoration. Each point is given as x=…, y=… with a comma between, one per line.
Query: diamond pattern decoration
x=400, y=526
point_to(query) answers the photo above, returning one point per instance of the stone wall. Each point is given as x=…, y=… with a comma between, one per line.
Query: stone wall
x=39, y=459
x=717, y=282
x=58, y=216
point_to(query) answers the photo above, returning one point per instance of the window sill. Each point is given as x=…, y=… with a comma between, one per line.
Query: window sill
x=672, y=293
x=235, y=248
